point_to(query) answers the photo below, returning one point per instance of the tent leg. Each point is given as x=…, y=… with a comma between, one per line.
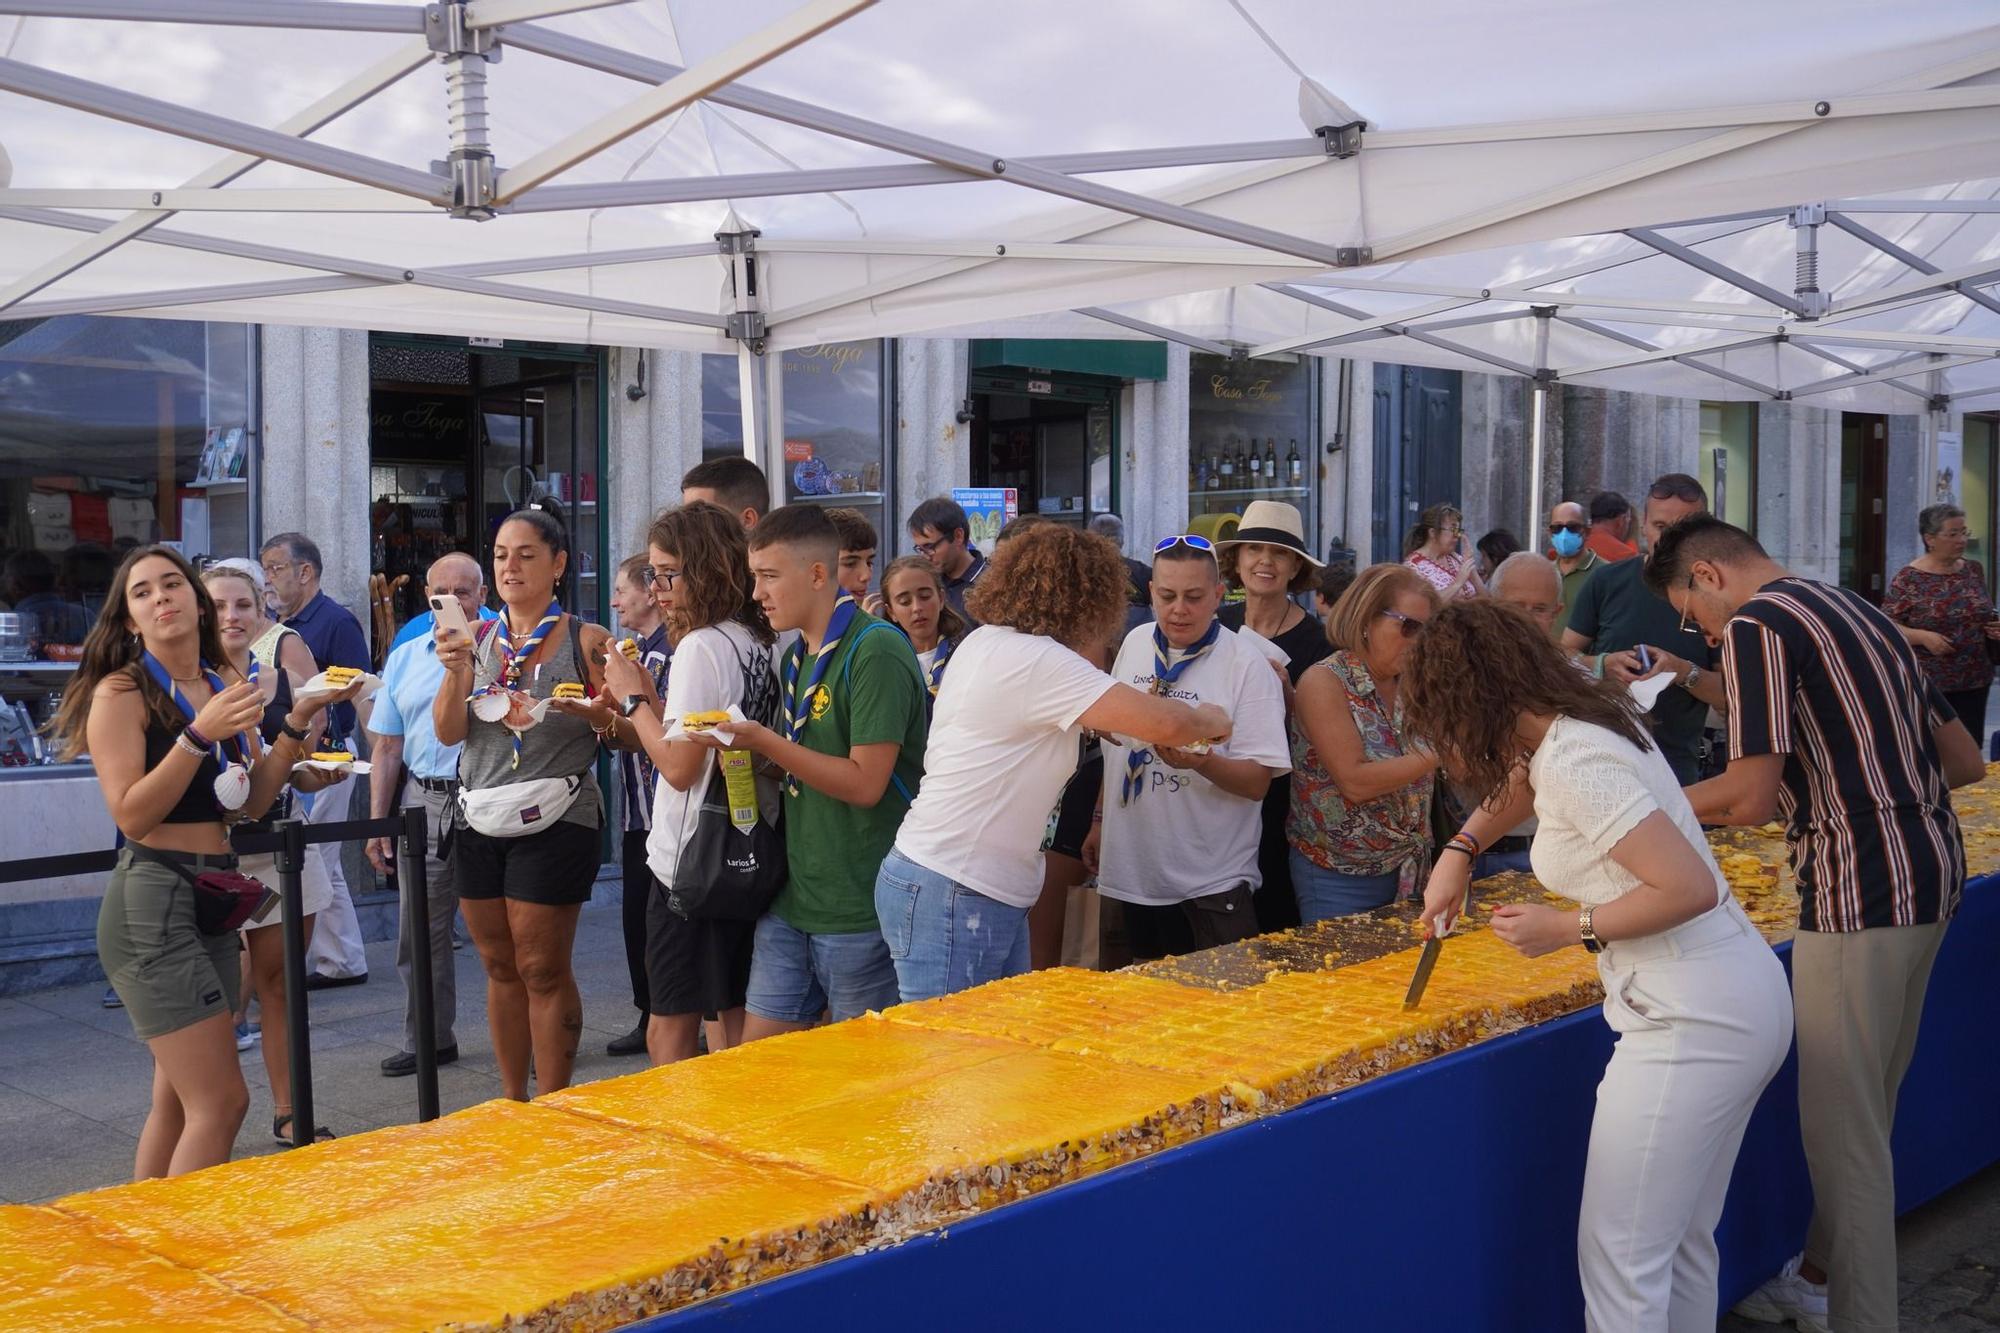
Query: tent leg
x=1538, y=442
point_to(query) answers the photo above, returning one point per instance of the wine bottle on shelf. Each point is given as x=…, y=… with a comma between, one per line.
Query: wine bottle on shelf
x=1295, y=468
x=1270, y=460
x=1242, y=467
x=1227, y=469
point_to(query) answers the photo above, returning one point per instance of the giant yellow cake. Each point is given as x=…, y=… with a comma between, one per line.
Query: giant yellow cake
x=802, y=1148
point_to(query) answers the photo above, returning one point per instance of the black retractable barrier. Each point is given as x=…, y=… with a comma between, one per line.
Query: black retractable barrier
x=416, y=876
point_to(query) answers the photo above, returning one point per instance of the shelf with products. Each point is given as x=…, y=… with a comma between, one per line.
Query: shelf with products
x=852, y=499
x=1255, y=493
x=35, y=667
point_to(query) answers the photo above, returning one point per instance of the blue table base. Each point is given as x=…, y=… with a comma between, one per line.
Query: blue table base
x=1342, y=1214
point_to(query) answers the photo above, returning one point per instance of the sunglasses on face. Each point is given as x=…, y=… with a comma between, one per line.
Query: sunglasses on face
x=650, y=575
x=1410, y=625
x=1577, y=528
x=1190, y=540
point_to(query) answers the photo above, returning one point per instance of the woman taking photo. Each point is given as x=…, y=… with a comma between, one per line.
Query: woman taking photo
x=275, y=660
x=913, y=601
x=953, y=897
x=1268, y=560
x=1699, y=1001
x=525, y=836
x=1361, y=792
x=1939, y=601
x=175, y=751
x=1438, y=549
x=722, y=658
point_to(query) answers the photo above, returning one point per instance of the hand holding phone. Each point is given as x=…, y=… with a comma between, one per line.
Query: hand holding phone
x=450, y=615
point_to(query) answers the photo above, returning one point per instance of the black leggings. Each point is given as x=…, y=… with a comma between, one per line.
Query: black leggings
x=1970, y=705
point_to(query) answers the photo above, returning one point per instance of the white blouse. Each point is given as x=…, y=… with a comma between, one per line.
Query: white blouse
x=1592, y=787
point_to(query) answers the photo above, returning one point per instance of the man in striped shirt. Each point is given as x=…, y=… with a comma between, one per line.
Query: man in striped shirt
x=1833, y=725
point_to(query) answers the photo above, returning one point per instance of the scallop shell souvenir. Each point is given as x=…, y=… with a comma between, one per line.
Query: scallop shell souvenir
x=492, y=706
x=232, y=787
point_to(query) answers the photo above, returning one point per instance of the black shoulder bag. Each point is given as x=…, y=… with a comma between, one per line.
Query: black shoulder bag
x=733, y=864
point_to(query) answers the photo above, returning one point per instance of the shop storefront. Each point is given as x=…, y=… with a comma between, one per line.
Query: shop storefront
x=461, y=434
x=1045, y=420
x=1251, y=427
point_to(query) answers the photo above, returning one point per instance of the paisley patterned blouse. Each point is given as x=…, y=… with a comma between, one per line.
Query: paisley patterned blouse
x=1954, y=605
x=1391, y=832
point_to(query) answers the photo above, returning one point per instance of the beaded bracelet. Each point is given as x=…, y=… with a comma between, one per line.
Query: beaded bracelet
x=184, y=743
x=204, y=742
x=1466, y=843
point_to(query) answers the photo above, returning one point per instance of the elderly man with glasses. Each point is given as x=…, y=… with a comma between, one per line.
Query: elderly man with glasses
x=1631, y=634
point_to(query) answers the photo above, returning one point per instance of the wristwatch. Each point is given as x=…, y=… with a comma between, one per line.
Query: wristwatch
x=630, y=704
x=1687, y=682
x=1591, y=944
x=285, y=727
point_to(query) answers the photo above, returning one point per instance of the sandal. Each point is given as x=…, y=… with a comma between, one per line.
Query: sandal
x=281, y=1123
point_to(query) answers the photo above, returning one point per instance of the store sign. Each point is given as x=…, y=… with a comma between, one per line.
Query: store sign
x=1247, y=389
x=1041, y=386
x=485, y=342
x=987, y=510
x=419, y=425
x=826, y=358
x=798, y=451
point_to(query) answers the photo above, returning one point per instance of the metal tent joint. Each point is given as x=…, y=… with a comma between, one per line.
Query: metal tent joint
x=465, y=51
x=1342, y=141
x=746, y=324
x=1806, y=220
x=1353, y=256
x=1940, y=402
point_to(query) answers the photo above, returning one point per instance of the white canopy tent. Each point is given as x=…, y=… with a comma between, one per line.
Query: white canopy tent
x=1712, y=199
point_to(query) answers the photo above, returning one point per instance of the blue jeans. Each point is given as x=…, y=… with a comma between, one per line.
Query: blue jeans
x=1495, y=863
x=794, y=977
x=1324, y=893
x=943, y=936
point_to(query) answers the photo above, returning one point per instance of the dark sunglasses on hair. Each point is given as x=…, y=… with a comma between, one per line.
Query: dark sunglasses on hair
x=1687, y=492
x=1189, y=539
x=1577, y=528
x=1410, y=625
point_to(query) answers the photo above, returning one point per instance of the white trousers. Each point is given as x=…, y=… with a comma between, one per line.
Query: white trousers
x=336, y=949
x=1704, y=1018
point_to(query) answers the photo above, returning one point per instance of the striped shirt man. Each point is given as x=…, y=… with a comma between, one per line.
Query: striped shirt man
x=1818, y=675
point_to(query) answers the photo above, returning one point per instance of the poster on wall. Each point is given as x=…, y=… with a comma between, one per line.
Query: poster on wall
x=1950, y=461
x=987, y=510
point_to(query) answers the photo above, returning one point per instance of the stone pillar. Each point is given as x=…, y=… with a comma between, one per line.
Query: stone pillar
x=315, y=451
x=1908, y=488
x=1798, y=488
x=1153, y=455
x=1496, y=422
x=933, y=448
x=653, y=442
x=1620, y=441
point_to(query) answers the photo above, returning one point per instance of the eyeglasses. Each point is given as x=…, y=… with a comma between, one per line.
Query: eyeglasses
x=1410, y=625
x=1187, y=539
x=653, y=574
x=1687, y=608
x=1578, y=528
x=927, y=549
x=272, y=571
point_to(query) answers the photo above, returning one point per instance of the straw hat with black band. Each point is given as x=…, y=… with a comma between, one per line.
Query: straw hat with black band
x=1273, y=523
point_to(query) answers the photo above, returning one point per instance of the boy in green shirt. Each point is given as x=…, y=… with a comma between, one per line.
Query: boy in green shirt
x=851, y=738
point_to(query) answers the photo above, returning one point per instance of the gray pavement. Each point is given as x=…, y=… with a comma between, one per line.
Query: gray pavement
x=74, y=1087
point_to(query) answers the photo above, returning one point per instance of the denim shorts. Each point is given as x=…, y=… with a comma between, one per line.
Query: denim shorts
x=794, y=977
x=942, y=936
x=1324, y=893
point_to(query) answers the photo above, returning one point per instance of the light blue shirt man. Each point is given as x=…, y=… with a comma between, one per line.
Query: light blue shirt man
x=410, y=679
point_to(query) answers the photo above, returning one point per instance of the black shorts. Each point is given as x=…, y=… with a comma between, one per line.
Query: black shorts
x=1187, y=927
x=1078, y=807
x=555, y=867
x=694, y=967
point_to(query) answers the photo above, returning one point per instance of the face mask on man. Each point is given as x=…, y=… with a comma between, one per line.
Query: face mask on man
x=1566, y=543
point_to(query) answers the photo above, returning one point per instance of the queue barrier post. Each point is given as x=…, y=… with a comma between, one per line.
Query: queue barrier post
x=416, y=883
x=291, y=856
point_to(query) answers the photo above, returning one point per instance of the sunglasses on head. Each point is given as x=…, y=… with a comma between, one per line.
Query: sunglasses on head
x=1410, y=625
x=1188, y=539
x=1577, y=528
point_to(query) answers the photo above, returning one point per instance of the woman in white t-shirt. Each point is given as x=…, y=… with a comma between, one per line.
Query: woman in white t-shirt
x=953, y=896
x=700, y=572
x=1699, y=1001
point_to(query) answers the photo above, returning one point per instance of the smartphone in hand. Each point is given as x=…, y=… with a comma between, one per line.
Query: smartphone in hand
x=450, y=615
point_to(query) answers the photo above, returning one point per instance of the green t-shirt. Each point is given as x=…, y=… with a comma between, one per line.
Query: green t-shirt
x=872, y=694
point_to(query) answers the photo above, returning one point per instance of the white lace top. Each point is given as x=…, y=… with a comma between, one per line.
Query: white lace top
x=1592, y=787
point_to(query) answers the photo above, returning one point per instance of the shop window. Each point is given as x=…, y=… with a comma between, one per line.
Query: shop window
x=1728, y=461
x=1976, y=489
x=1249, y=438
x=113, y=433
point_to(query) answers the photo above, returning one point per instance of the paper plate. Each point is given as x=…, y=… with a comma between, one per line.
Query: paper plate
x=370, y=682
x=677, y=732
x=358, y=766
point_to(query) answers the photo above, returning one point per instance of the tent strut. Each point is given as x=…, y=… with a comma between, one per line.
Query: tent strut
x=465, y=50
x=1806, y=221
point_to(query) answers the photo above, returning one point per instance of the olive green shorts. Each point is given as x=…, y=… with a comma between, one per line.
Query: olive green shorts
x=167, y=972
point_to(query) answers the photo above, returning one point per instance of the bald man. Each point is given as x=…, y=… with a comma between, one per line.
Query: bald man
x=1527, y=581
x=402, y=736
x=1569, y=529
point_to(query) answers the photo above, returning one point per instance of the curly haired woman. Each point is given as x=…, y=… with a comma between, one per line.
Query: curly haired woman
x=953, y=896
x=1698, y=999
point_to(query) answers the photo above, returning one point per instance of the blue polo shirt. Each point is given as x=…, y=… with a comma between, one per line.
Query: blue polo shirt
x=333, y=636
x=410, y=680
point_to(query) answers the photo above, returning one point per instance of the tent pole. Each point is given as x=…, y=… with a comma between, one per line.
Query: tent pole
x=1539, y=426
x=1156, y=331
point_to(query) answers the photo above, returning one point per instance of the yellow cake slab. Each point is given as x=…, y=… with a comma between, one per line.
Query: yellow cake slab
x=58, y=1273
x=776, y=1076
x=586, y=1226
x=1058, y=1003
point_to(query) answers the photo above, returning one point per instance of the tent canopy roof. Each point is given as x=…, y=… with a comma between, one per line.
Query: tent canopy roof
x=912, y=167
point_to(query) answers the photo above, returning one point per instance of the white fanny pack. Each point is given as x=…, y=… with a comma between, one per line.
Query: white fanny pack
x=518, y=808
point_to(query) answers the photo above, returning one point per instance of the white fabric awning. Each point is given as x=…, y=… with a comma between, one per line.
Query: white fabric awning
x=916, y=166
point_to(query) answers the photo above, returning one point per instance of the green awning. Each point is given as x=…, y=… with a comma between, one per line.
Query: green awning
x=1113, y=358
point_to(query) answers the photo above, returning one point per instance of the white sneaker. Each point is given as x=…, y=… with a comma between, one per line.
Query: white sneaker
x=1788, y=1299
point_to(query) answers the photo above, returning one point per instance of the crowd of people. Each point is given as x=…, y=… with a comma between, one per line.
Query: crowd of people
x=838, y=794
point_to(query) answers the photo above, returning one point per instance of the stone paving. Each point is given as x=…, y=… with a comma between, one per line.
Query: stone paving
x=74, y=1086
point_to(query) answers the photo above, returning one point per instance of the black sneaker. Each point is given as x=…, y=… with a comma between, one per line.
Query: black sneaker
x=404, y=1063
x=632, y=1043
x=321, y=981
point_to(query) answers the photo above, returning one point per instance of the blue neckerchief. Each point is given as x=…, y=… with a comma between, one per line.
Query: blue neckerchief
x=512, y=661
x=1165, y=673
x=236, y=748
x=942, y=656
x=798, y=704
